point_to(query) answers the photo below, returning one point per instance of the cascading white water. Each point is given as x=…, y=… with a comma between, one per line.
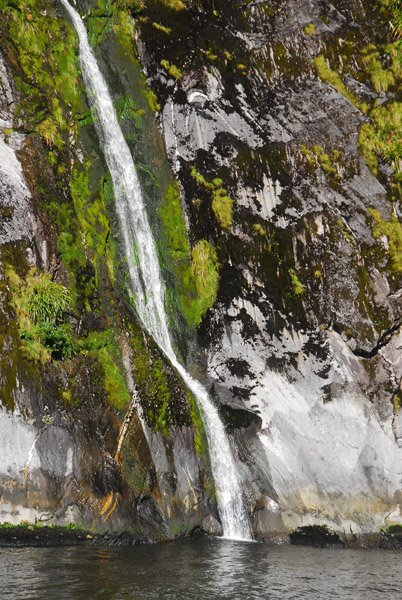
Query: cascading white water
x=146, y=283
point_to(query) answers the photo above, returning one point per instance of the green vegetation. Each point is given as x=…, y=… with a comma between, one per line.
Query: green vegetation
x=205, y=265
x=395, y=9
x=134, y=474
x=166, y=30
x=329, y=163
x=113, y=16
x=38, y=526
x=381, y=78
x=310, y=156
x=163, y=401
x=222, y=204
x=346, y=231
x=309, y=29
x=380, y=137
x=45, y=47
x=200, y=435
x=383, y=137
x=103, y=347
x=393, y=231
x=197, y=273
x=179, y=250
x=298, y=286
x=93, y=222
x=47, y=301
x=333, y=77
x=41, y=306
x=172, y=69
x=397, y=402
x=174, y=4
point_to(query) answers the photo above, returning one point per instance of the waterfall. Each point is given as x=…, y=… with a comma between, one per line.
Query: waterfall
x=146, y=285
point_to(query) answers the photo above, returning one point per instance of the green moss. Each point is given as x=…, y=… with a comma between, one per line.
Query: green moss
x=166, y=30
x=200, y=435
x=172, y=69
x=45, y=49
x=91, y=214
x=206, y=270
x=298, y=287
x=177, y=242
x=394, y=528
x=39, y=526
x=104, y=348
x=381, y=78
x=393, y=8
x=41, y=306
x=309, y=29
x=393, y=231
x=176, y=5
x=201, y=179
x=49, y=130
x=370, y=146
x=397, y=402
x=44, y=46
x=197, y=275
x=310, y=156
x=329, y=162
x=151, y=99
x=327, y=74
x=200, y=444
x=346, y=231
x=222, y=205
x=383, y=137
x=161, y=395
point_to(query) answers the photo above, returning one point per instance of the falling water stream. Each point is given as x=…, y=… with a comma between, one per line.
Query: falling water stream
x=146, y=285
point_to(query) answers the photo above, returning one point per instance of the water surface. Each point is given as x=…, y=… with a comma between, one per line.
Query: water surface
x=199, y=568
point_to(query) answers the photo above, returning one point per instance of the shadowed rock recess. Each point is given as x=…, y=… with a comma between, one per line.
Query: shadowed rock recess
x=262, y=134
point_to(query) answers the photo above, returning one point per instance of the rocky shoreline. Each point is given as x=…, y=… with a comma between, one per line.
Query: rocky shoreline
x=28, y=535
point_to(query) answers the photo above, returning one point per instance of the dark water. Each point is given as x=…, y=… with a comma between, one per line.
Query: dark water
x=197, y=569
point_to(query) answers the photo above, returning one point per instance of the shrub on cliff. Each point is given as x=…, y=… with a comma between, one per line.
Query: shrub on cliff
x=41, y=306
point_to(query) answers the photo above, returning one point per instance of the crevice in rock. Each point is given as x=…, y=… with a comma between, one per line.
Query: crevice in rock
x=383, y=341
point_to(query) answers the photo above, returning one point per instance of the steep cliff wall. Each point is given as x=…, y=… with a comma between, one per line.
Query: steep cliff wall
x=279, y=238
x=96, y=428
x=270, y=115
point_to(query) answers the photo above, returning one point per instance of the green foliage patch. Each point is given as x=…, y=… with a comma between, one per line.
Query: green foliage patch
x=161, y=400
x=382, y=137
x=45, y=48
x=198, y=272
x=298, y=286
x=393, y=231
x=333, y=77
x=172, y=69
x=177, y=241
x=222, y=204
x=329, y=162
x=41, y=306
x=309, y=29
x=206, y=270
x=104, y=348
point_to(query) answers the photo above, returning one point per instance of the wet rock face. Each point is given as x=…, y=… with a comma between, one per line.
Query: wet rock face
x=305, y=329
x=18, y=221
x=300, y=350
x=61, y=420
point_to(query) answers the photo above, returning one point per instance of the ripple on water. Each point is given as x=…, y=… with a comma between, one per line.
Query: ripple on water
x=198, y=568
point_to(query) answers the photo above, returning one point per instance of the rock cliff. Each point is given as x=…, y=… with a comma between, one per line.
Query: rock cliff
x=266, y=136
